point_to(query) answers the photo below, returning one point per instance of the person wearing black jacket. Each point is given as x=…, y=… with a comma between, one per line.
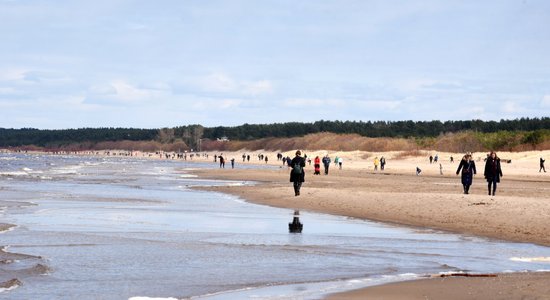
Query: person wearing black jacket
x=493, y=172
x=297, y=174
x=542, y=165
x=468, y=167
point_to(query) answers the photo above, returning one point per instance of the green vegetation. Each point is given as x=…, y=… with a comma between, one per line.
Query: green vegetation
x=458, y=136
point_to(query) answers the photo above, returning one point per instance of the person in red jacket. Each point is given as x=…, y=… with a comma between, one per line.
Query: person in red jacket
x=317, y=165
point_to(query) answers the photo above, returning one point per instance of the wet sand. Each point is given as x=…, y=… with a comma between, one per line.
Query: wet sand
x=503, y=287
x=519, y=212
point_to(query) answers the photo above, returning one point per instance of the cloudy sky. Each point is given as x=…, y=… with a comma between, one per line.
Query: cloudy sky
x=151, y=64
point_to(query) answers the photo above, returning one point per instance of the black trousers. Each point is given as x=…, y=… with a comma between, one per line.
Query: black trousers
x=297, y=186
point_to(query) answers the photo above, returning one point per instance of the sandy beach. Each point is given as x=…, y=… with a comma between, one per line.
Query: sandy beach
x=518, y=212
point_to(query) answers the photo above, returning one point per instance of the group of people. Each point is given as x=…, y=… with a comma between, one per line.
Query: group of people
x=467, y=166
x=492, y=172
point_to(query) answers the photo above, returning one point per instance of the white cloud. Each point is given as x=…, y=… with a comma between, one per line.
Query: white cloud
x=12, y=74
x=217, y=82
x=229, y=103
x=510, y=107
x=222, y=83
x=102, y=89
x=312, y=102
x=257, y=87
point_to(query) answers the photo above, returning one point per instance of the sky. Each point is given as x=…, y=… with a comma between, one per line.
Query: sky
x=154, y=64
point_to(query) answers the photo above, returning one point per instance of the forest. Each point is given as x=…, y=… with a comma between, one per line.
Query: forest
x=517, y=134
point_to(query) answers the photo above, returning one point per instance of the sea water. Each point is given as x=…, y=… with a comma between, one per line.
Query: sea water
x=117, y=228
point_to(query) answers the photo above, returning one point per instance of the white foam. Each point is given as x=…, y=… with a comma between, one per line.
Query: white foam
x=14, y=173
x=188, y=176
x=13, y=287
x=531, y=259
x=148, y=298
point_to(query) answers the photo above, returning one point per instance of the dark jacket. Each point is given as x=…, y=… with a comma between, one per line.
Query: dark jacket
x=297, y=177
x=492, y=169
x=468, y=170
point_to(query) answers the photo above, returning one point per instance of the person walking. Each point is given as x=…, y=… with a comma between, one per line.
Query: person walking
x=233, y=163
x=317, y=165
x=297, y=174
x=382, y=163
x=340, y=162
x=493, y=172
x=326, y=163
x=222, y=161
x=376, y=161
x=542, y=165
x=468, y=167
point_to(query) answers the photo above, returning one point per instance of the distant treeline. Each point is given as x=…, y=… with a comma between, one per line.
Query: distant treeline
x=193, y=136
x=63, y=137
x=403, y=129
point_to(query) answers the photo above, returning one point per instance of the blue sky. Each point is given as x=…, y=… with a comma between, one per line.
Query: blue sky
x=151, y=64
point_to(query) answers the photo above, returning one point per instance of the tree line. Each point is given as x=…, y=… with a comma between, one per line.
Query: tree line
x=62, y=137
x=404, y=129
x=193, y=135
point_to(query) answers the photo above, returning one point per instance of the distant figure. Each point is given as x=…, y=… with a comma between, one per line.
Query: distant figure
x=317, y=165
x=542, y=165
x=266, y=159
x=297, y=174
x=382, y=163
x=493, y=172
x=336, y=159
x=232, y=163
x=431, y=159
x=452, y=160
x=222, y=161
x=284, y=161
x=244, y=157
x=468, y=167
x=248, y=158
x=340, y=162
x=326, y=163
x=418, y=171
x=440, y=169
x=309, y=161
x=376, y=161
x=436, y=158
x=215, y=158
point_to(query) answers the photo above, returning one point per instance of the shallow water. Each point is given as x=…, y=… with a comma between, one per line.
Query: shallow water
x=113, y=228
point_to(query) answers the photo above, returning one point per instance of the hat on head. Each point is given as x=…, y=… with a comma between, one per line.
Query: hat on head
x=298, y=152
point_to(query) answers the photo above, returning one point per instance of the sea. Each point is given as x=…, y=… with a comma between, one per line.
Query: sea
x=104, y=227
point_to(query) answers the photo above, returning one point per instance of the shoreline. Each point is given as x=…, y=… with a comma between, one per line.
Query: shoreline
x=429, y=201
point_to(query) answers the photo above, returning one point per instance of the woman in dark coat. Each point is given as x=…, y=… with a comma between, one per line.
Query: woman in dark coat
x=468, y=167
x=297, y=174
x=493, y=172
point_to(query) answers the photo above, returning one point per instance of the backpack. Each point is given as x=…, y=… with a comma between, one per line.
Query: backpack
x=297, y=169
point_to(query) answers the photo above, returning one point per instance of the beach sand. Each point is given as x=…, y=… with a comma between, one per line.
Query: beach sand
x=519, y=212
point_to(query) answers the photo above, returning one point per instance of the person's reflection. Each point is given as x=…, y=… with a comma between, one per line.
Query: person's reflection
x=295, y=226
